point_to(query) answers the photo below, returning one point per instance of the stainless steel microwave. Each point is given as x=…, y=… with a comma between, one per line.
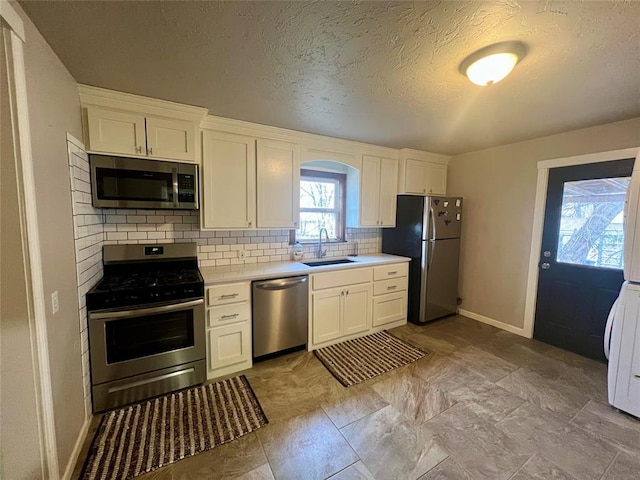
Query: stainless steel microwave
x=119, y=182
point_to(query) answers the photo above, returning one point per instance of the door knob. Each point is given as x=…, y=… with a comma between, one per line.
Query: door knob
x=546, y=254
x=546, y=266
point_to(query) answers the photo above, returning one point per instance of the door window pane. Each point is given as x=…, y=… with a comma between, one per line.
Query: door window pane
x=591, y=222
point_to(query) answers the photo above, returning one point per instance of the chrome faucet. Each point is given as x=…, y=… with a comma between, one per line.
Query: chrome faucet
x=322, y=253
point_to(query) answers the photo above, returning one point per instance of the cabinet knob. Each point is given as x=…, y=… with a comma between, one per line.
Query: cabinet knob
x=150, y=150
x=139, y=149
x=249, y=223
x=424, y=190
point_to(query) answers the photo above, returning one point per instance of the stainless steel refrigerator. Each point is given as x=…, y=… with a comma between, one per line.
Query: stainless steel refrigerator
x=428, y=231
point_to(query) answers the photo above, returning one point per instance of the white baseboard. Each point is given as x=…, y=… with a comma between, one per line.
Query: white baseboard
x=494, y=323
x=68, y=472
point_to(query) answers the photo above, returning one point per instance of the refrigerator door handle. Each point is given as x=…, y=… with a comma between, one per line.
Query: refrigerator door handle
x=433, y=223
x=608, y=328
x=430, y=252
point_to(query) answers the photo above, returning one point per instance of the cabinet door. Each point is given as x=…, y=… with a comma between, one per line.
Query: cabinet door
x=389, y=308
x=171, y=139
x=415, y=177
x=229, y=345
x=369, y=191
x=278, y=184
x=388, y=191
x=436, y=178
x=228, y=181
x=113, y=131
x=326, y=310
x=356, y=311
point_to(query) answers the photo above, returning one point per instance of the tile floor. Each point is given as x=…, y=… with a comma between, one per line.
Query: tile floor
x=485, y=404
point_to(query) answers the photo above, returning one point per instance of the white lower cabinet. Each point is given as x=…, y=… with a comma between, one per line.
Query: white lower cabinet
x=390, y=295
x=340, y=312
x=340, y=305
x=228, y=329
x=229, y=346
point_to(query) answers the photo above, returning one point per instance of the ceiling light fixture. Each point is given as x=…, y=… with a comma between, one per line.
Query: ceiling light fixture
x=491, y=64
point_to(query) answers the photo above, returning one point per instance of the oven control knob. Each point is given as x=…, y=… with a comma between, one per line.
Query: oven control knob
x=169, y=293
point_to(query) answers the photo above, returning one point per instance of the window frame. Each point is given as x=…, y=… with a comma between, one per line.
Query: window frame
x=341, y=203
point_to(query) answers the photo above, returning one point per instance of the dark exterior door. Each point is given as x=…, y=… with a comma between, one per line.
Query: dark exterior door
x=580, y=268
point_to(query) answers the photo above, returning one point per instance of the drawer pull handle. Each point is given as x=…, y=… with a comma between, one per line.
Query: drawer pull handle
x=392, y=273
x=392, y=287
x=224, y=317
x=230, y=295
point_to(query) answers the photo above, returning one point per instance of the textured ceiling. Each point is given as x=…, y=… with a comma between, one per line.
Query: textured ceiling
x=379, y=72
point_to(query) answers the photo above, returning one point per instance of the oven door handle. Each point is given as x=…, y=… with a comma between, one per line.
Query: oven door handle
x=144, y=311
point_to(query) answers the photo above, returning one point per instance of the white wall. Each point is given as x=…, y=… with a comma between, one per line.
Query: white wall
x=498, y=185
x=20, y=454
x=54, y=110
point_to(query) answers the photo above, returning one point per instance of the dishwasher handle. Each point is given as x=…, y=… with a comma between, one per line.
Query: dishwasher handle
x=281, y=284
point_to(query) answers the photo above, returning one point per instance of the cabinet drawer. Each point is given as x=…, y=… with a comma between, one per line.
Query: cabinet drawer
x=341, y=278
x=227, y=314
x=230, y=293
x=390, y=286
x=390, y=271
x=389, y=308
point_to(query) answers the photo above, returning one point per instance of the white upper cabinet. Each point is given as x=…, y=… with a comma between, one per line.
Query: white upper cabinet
x=415, y=177
x=388, y=191
x=376, y=204
x=124, y=124
x=228, y=181
x=248, y=183
x=278, y=184
x=422, y=173
x=116, y=132
x=370, y=191
x=113, y=131
x=169, y=138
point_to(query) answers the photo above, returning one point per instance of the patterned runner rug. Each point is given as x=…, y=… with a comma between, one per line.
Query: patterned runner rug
x=360, y=359
x=143, y=437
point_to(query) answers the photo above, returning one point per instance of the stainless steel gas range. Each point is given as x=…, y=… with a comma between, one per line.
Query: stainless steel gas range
x=146, y=323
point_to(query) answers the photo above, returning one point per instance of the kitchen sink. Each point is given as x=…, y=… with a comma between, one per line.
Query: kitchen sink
x=320, y=263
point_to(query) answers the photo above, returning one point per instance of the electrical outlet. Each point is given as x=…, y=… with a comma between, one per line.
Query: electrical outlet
x=55, y=303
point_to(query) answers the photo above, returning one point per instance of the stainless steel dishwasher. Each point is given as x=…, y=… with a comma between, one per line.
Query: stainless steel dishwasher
x=280, y=314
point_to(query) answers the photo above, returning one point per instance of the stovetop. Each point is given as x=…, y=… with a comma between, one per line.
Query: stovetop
x=156, y=278
x=140, y=286
x=138, y=275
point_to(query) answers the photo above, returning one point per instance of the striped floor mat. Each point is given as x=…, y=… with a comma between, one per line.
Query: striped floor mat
x=143, y=437
x=357, y=360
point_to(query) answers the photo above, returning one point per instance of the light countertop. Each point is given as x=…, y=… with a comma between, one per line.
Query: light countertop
x=262, y=271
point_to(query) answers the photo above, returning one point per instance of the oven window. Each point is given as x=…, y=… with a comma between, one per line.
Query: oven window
x=120, y=184
x=138, y=337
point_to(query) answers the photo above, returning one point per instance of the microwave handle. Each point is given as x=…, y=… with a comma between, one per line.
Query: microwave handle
x=174, y=172
x=196, y=187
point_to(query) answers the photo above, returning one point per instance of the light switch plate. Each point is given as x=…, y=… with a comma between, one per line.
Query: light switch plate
x=55, y=303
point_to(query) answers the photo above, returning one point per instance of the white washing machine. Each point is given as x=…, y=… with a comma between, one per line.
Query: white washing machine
x=624, y=353
x=622, y=334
